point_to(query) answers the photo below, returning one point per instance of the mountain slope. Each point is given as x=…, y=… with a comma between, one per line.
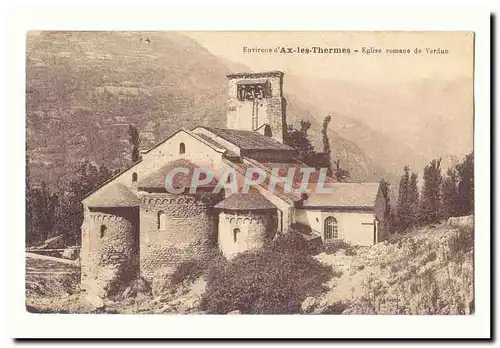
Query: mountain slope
x=84, y=88
x=398, y=124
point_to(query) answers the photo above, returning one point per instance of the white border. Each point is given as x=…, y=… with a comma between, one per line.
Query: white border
x=24, y=324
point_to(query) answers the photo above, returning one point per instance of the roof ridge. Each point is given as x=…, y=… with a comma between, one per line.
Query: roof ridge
x=253, y=200
x=222, y=133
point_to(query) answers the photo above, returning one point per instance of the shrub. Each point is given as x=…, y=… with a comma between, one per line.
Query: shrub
x=336, y=308
x=191, y=270
x=336, y=274
x=350, y=252
x=264, y=281
x=292, y=242
x=394, y=239
x=429, y=257
x=336, y=245
x=396, y=267
x=188, y=270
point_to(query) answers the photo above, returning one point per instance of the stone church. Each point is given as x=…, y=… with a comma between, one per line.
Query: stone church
x=134, y=226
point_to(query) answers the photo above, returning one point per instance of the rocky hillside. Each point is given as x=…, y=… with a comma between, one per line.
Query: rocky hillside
x=84, y=88
x=428, y=271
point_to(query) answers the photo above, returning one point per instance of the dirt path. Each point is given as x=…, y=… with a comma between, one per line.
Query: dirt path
x=51, y=258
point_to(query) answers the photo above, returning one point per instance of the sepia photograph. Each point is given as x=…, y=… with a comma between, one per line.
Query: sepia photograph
x=258, y=172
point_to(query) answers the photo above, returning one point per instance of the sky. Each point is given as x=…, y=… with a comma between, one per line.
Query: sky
x=379, y=68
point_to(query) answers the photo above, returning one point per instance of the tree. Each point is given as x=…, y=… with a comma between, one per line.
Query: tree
x=408, y=201
x=413, y=201
x=327, y=152
x=299, y=140
x=135, y=141
x=465, y=186
x=449, y=192
x=30, y=216
x=385, y=188
x=41, y=206
x=88, y=176
x=33, y=235
x=340, y=174
x=403, y=208
x=431, y=192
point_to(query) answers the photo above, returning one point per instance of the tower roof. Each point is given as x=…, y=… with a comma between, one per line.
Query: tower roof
x=252, y=200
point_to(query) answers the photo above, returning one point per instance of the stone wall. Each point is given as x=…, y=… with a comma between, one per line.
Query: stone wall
x=189, y=231
x=276, y=117
x=255, y=230
x=110, y=249
x=461, y=221
x=270, y=110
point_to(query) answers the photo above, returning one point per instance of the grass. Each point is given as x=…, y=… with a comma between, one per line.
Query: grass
x=431, y=273
x=337, y=245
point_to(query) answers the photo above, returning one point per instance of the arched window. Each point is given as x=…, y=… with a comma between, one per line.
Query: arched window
x=182, y=148
x=134, y=177
x=331, y=228
x=162, y=220
x=236, y=232
x=103, y=230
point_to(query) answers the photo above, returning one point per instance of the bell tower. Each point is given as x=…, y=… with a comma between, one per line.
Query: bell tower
x=256, y=103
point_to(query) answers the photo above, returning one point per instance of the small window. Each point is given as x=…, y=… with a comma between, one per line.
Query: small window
x=103, y=230
x=236, y=232
x=331, y=228
x=162, y=220
x=253, y=91
x=134, y=177
x=182, y=148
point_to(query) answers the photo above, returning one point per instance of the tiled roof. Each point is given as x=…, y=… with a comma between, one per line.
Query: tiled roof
x=284, y=167
x=157, y=179
x=209, y=140
x=252, y=200
x=345, y=195
x=249, y=140
x=116, y=195
x=242, y=168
